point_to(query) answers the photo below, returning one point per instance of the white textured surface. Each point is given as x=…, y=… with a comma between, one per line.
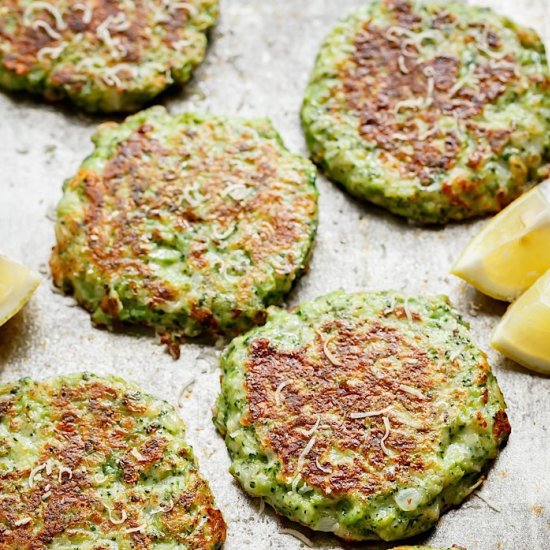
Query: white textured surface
x=258, y=65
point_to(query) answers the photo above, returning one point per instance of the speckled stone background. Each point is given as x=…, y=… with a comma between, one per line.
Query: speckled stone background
x=258, y=64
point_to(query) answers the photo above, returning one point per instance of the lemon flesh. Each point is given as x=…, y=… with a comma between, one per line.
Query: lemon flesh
x=17, y=285
x=512, y=251
x=523, y=334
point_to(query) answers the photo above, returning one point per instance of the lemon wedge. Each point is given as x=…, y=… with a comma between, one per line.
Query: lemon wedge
x=17, y=285
x=512, y=250
x=523, y=334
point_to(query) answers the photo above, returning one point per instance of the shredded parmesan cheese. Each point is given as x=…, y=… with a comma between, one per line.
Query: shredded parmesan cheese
x=237, y=192
x=326, y=350
x=46, y=495
x=406, y=419
x=86, y=10
x=184, y=389
x=300, y=462
x=64, y=470
x=116, y=23
x=115, y=521
x=224, y=234
x=476, y=484
x=278, y=391
x=395, y=30
x=306, y=450
x=414, y=103
x=52, y=53
x=429, y=74
x=407, y=310
x=261, y=506
x=391, y=307
x=112, y=80
x=321, y=467
x=189, y=194
x=39, y=24
x=295, y=481
x=402, y=65
x=192, y=10
x=296, y=534
x=484, y=499
x=387, y=426
x=34, y=472
x=100, y=478
x=490, y=53
x=163, y=509
x=368, y=414
x=22, y=521
x=52, y=10
x=314, y=428
x=413, y=391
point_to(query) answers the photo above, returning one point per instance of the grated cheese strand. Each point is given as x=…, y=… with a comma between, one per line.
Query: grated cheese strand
x=278, y=391
x=184, y=388
x=224, y=234
x=403, y=418
x=391, y=307
x=300, y=462
x=163, y=509
x=484, y=499
x=22, y=521
x=64, y=470
x=402, y=65
x=387, y=426
x=328, y=354
x=296, y=534
x=52, y=53
x=321, y=467
x=407, y=310
x=122, y=519
x=87, y=13
x=368, y=414
x=413, y=391
x=192, y=10
x=415, y=103
x=305, y=451
x=33, y=473
x=39, y=24
x=314, y=428
x=52, y=10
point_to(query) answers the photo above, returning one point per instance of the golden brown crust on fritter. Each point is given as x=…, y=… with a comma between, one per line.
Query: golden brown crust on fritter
x=336, y=386
x=105, y=55
x=188, y=223
x=377, y=97
x=91, y=444
x=364, y=414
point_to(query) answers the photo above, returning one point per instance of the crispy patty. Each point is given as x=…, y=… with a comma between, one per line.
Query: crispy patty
x=365, y=414
x=188, y=223
x=435, y=111
x=94, y=463
x=103, y=55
